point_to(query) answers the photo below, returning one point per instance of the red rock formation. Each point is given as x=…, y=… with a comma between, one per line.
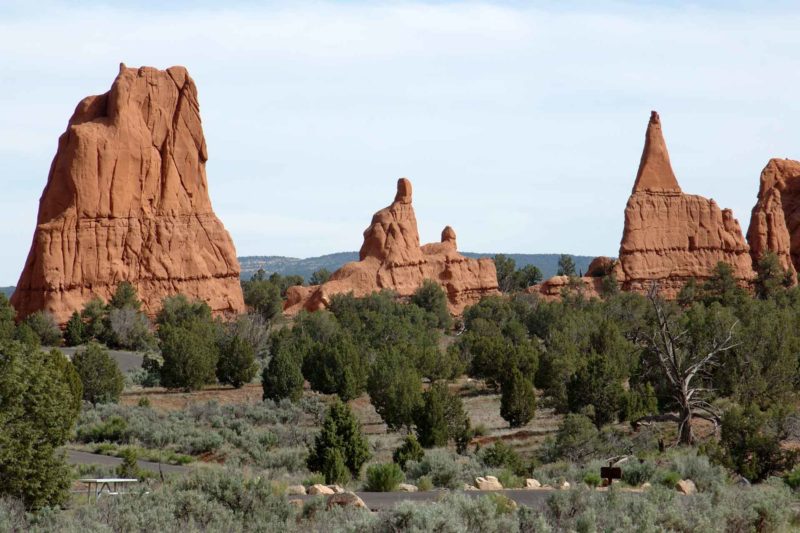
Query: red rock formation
x=775, y=220
x=556, y=287
x=600, y=266
x=670, y=236
x=127, y=199
x=392, y=258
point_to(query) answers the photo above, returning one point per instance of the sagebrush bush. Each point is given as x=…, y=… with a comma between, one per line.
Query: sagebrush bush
x=444, y=468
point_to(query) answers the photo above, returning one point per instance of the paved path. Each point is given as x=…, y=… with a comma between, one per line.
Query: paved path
x=75, y=457
x=377, y=501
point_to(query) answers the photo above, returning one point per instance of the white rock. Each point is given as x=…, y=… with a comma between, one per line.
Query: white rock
x=319, y=489
x=564, y=486
x=686, y=486
x=406, y=487
x=488, y=483
x=531, y=483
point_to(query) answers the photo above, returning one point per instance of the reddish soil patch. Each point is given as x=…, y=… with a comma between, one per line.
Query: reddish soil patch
x=167, y=400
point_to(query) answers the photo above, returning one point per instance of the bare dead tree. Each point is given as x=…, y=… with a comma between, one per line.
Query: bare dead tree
x=684, y=364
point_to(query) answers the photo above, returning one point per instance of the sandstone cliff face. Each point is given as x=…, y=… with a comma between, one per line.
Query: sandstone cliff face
x=127, y=199
x=670, y=236
x=392, y=258
x=775, y=220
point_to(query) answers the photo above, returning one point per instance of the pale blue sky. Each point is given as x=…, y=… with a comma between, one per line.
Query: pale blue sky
x=520, y=124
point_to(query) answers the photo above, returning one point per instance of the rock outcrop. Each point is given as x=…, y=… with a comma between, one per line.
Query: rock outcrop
x=775, y=220
x=669, y=236
x=127, y=200
x=392, y=258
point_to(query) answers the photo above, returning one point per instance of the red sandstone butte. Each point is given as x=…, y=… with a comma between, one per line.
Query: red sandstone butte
x=392, y=258
x=670, y=236
x=775, y=220
x=127, y=200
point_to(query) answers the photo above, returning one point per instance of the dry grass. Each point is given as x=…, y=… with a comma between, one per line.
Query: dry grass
x=168, y=400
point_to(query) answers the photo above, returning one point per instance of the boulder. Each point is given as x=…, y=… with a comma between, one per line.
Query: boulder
x=686, y=486
x=646, y=485
x=670, y=237
x=336, y=488
x=564, y=485
x=391, y=258
x=488, y=483
x=467, y=486
x=599, y=267
x=775, y=219
x=406, y=487
x=345, y=499
x=295, y=490
x=127, y=200
x=532, y=484
x=313, y=490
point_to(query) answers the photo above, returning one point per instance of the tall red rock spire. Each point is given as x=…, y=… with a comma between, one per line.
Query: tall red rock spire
x=127, y=200
x=671, y=237
x=775, y=219
x=655, y=171
x=392, y=258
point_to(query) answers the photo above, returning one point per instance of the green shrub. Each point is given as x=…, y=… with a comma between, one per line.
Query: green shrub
x=73, y=331
x=333, y=467
x=509, y=479
x=500, y=455
x=793, y=479
x=444, y=468
x=112, y=430
x=518, y=400
x=441, y=417
x=190, y=354
x=637, y=472
x=669, y=479
x=592, y=479
x=129, y=468
x=425, y=483
x=410, y=450
x=383, y=477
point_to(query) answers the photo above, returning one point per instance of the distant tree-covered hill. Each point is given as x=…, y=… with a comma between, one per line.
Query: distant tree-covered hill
x=7, y=291
x=547, y=263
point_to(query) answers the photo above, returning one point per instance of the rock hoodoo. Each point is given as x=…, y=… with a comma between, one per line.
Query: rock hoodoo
x=127, y=200
x=670, y=236
x=775, y=220
x=392, y=258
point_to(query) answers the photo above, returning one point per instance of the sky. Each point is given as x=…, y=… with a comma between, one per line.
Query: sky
x=520, y=124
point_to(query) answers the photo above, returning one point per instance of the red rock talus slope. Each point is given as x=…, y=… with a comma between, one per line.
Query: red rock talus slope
x=775, y=220
x=392, y=258
x=670, y=236
x=127, y=199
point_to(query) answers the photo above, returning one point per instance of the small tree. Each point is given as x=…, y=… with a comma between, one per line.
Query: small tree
x=566, y=266
x=73, y=332
x=432, y=298
x=319, y=277
x=37, y=414
x=129, y=329
x=7, y=315
x=237, y=361
x=341, y=432
x=410, y=450
x=101, y=378
x=771, y=277
x=282, y=378
x=44, y=325
x=598, y=387
x=263, y=296
x=395, y=389
x=93, y=315
x=722, y=287
x=190, y=355
x=686, y=348
x=441, y=417
x=336, y=367
x=125, y=296
x=518, y=400
x=505, y=267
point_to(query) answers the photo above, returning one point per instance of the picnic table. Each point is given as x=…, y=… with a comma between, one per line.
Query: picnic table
x=110, y=486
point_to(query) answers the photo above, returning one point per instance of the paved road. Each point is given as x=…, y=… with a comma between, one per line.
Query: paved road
x=377, y=501
x=125, y=360
x=75, y=457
